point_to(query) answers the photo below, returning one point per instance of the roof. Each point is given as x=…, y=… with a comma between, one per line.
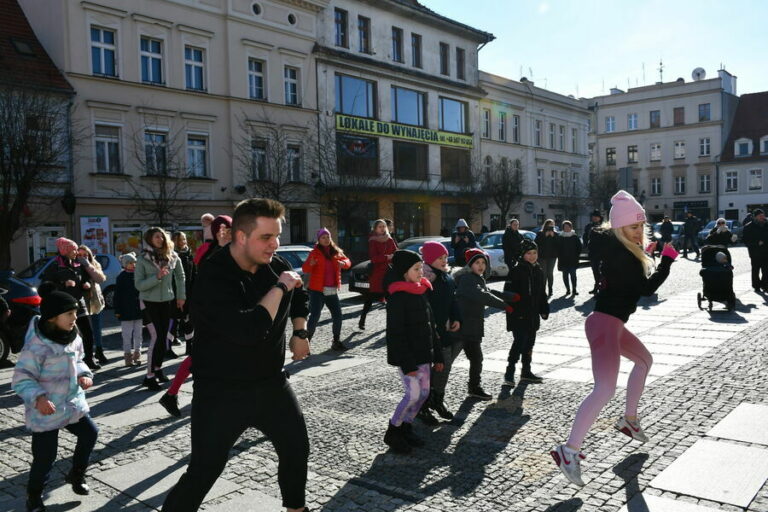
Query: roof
x=751, y=122
x=23, y=60
x=481, y=35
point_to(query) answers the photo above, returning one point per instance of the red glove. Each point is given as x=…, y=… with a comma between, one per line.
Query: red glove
x=515, y=297
x=509, y=309
x=670, y=251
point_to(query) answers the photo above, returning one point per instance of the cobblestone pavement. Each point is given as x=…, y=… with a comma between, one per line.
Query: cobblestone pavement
x=702, y=409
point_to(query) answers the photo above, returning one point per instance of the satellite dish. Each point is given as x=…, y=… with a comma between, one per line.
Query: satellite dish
x=698, y=74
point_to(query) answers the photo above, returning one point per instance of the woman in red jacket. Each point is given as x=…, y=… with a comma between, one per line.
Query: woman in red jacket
x=324, y=265
x=381, y=247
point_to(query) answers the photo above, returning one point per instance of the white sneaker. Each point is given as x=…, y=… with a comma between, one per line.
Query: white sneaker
x=569, y=463
x=631, y=429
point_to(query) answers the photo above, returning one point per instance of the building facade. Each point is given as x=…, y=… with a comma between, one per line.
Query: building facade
x=662, y=142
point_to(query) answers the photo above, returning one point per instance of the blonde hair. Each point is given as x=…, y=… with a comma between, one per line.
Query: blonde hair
x=547, y=222
x=636, y=249
x=376, y=224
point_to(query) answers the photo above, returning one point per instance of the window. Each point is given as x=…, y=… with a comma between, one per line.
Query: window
x=454, y=164
x=364, y=34
x=631, y=154
x=575, y=140
x=197, y=150
x=655, y=186
x=655, y=152
x=610, y=156
x=108, y=149
x=103, y=52
x=679, y=115
x=452, y=115
x=552, y=182
x=575, y=183
x=397, y=44
x=679, y=149
x=704, y=112
x=755, y=179
x=291, y=75
x=561, y=141
x=193, y=68
x=256, y=79
x=357, y=156
x=743, y=148
x=705, y=184
x=540, y=182
x=151, y=60
x=563, y=181
x=409, y=220
x=444, y=59
x=410, y=160
x=355, y=96
x=460, y=64
x=515, y=128
x=679, y=185
x=408, y=106
x=631, y=121
x=486, y=133
x=488, y=165
x=610, y=124
x=704, y=146
x=259, y=168
x=416, y=50
x=294, y=163
x=537, y=133
x=731, y=181
x=551, y=135
x=655, y=118
x=449, y=213
x=503, y=126
x=154, y=152
x=340, y=21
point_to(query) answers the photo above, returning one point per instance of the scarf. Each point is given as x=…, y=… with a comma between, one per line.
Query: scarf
x=56, y=335
x=566, y=234
x=419, y=288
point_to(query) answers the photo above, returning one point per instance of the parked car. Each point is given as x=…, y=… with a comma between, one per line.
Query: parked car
x=358, y=275
x=734, y=226
x=491, y=243
x=109, y=264
x=296, y=255
x=24, y=303
x=677, y=231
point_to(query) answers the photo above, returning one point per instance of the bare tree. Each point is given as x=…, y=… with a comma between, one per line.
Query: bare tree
x=601, y=187
x=35, y=156
x=503, y=183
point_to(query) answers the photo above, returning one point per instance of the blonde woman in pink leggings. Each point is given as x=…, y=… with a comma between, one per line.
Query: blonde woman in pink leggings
x=626, y=274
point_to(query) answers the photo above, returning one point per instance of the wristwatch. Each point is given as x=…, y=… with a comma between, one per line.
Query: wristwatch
x=282, y=287
x=301, y=333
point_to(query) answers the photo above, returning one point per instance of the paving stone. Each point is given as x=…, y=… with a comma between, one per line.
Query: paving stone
x=252, y=501
x=647, y=503
x=322, y=364
x=747, y=422
x=584, y=375
x=715, y=471
x=561, y=349
x=495, y=365
x=62, y=498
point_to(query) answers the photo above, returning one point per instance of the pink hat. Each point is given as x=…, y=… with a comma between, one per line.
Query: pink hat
x=625, y=210
x=65, y=245
x=433, y=250
x=321, y=232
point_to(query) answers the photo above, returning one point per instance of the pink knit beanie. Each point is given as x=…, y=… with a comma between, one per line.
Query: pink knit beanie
x=433, y=250
x=65, y=245
x=625, y=210
x=321, y=232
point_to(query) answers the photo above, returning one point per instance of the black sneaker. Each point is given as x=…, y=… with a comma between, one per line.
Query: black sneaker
x=35, y=503
x=478, y=392
x=531, y=377
x=160, y=376
x=338, y=346
x=438, y=405
x=426, y=417
x=176, y=342
x=151, y=384
x=90, y=363
x=77, y=480
x=170, y=354
x=171, y=404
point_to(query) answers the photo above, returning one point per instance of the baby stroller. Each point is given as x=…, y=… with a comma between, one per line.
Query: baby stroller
x=717, y=277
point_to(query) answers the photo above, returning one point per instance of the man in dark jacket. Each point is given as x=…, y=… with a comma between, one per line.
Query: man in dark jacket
x=510, y=243
x=755, y=236
x=592, y=249
x=691, y=232
x=665, y=230
x=461, y=240
x=240, y=309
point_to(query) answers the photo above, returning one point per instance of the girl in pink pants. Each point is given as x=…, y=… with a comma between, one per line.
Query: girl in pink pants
x=626, y=274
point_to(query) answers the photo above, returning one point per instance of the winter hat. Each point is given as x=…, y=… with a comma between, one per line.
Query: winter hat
x=757, y=212
x=433, y=250
x=472, y=254
x=221, y=220
x=321, y=232
x=462, y=224
x=206, y=219
x=127, y=258
x=55, y=303
x=625, y=210
x=65, y=245
x=403, y=260
x=527, y=245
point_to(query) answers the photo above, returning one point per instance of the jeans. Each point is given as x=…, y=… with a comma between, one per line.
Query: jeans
x=569, y=272
x=474, y=352
x=524, y=339
x=96, y=324
x=316, y=302
x=160, y=315
x=691, y=241
x=46, y=444
x=439, y=380
x=219, y=418
x=548, y=266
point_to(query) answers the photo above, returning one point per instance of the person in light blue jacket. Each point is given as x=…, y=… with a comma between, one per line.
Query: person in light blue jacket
x=51, y=377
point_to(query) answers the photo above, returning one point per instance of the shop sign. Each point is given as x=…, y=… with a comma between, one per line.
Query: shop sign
x=529, y=206
x=352, y=124
x=94, y=232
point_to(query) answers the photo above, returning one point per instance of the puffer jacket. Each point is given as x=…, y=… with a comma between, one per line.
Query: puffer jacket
x=317, y=271
x=473, y=296
x=51, y=369
x=63, y=270
x=528, y=281
x=151, y=288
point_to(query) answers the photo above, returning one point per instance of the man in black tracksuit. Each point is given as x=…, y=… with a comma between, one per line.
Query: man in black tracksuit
x=240, y=307
x=691, y=231
x=593, y=249
x=755, y=236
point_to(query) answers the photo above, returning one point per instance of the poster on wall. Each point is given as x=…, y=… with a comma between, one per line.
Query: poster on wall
x=94, y=232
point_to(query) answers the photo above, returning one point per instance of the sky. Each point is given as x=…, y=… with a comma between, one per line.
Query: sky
x=586, y=47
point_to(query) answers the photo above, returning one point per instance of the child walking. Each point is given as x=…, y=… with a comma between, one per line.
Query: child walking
x=412, y=344
x=626, y=275
x=50, y=376
x=526, y=279
x=128, y=310
x=473, y=296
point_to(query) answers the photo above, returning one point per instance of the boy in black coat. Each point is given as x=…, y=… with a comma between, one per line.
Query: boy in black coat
x=526, y=279
x=568, y=252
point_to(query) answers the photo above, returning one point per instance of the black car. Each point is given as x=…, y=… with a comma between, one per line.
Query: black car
x=24, y=303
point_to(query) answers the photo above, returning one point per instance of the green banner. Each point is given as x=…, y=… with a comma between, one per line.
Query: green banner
x=352, y=124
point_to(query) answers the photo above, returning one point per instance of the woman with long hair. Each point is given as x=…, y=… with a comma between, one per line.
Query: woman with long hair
x=324, y=265
x=626, y=275
x=547, y=241
x=94, y=299
x=158, y=270
x=381, y=247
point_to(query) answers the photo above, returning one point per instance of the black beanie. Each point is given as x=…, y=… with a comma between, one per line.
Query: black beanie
x=402, y=261
x=527, y=245
x=55, y=303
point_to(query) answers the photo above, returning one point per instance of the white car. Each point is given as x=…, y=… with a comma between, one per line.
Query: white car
x=491, y=243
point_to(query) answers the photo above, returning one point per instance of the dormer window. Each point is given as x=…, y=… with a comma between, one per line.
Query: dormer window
x=742, y=147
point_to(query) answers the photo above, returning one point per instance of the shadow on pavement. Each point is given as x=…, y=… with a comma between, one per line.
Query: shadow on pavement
x=566, y=506
x=628, y=469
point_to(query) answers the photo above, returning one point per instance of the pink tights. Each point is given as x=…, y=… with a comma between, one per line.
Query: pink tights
x=608, y=341
x=181, y=375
